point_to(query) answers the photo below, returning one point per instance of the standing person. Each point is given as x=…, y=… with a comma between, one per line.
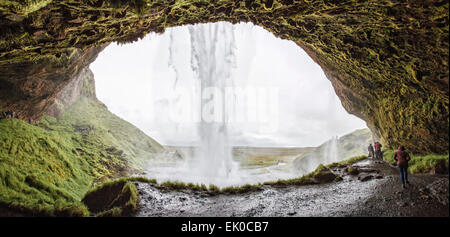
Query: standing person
x=371, y=152
x=378, y=154
x=402, y=158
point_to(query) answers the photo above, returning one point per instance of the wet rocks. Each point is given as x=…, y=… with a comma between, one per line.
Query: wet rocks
x=352, y=170
x=368, y=170
x=324, y=177
x=438, y=190
x=365, y=177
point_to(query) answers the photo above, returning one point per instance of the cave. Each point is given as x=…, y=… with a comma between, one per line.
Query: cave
x=387, y=60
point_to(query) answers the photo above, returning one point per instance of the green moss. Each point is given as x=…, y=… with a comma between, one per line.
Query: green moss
x=103, y=135
x=175, y=185
x=113, y=198
x=348, y=161
x=24, y=7
x=113, y=212
x=241, y=189
x=420, y=164
x=57, y=161
x=39, y=172
x=352, y=170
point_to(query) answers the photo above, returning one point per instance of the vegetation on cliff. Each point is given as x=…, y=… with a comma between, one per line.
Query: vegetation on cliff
x=46, y=169
x=420, y=164
x=41, y=173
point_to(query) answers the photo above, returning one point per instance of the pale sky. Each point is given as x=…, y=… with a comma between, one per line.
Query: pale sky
x=136, y=82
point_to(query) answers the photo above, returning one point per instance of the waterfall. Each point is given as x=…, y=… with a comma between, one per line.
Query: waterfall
x=213, y=61
x=331, y=151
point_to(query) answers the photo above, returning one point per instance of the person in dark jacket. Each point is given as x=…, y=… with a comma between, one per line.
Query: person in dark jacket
x=402, y=158
x=371, y=151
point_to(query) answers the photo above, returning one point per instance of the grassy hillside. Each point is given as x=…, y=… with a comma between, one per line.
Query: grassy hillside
x=93, y=121
x=46, y=169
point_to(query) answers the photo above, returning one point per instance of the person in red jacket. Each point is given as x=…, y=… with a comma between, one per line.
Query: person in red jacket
x=402, y=158
x=378, y=153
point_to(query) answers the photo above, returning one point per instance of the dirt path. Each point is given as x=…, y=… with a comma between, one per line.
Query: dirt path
x=375, y=191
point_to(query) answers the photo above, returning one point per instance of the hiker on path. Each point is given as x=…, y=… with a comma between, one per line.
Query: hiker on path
x=402, y=158
x=371, y=151
x=378, y=153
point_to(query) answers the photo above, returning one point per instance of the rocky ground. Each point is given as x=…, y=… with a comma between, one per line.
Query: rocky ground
x=368, y=188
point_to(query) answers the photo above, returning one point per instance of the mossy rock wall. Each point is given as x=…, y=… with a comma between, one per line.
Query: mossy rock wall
x=387, y=59
x=115, y=198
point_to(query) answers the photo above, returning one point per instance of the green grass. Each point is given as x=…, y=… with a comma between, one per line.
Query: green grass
x=348, y=161
x=104, y=130
x=47, y=169
x=420, y=163
x=39, y=171
x=113, y=198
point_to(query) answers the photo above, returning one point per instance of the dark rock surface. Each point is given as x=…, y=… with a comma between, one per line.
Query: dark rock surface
x=427, y=195
x=324, y=177
x=365, y=177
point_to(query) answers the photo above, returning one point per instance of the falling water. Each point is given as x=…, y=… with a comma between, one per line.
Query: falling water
x=331, y=151
x=213, y=60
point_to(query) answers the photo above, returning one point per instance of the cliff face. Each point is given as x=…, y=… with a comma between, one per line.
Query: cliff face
x=77, y=108
x=30, y=86
x=83, y=85
x=386, y=59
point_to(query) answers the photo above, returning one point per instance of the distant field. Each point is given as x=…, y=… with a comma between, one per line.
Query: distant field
x=256, y=157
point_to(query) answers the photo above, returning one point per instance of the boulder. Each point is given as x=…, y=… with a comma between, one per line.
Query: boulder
x=352, y=170
x=440, y=168
x=115, y=198
x=324, y=177
x=365, y=177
